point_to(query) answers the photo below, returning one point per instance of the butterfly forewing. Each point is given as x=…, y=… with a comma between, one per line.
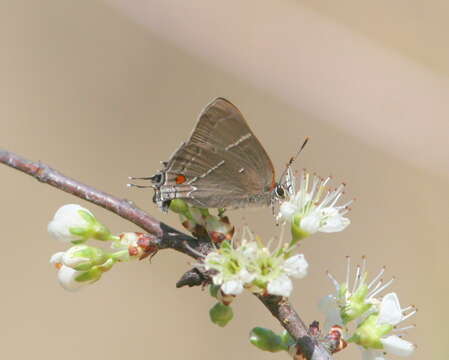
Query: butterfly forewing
x=222, y=164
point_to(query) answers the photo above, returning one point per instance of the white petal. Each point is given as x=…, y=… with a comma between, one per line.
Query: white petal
x=246, y=277
x=390, y=310
x=287, y=210
x=329, y=307
x=311, y=223
x=372, y=355
x=57, y=258
x=281, y=286
x=249, y=250
x=395, y=345
x=65, y=218
x=296, y=266
x=334, y=221
x=66, y=277
x=218, y=279
x=232, y=287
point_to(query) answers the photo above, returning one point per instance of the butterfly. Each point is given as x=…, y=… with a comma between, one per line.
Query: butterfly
x=221, y=165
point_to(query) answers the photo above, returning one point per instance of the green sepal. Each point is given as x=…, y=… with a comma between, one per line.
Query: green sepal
x=261, y=284
x=94, y=255
x=101, y=232
x=107, y=265
x=297, y=232
x=78, y=231
x=267, y=340
x=221, y=314
x=356, y=304
x=92, y=275
x=204, y=212
x=89, y=218
x=369, y=333
x=78, y=242
x=122, y=255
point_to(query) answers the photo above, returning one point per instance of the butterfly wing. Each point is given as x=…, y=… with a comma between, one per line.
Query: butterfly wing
x=222, y=164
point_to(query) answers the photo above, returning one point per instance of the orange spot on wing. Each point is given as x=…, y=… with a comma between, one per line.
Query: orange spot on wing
x=180, y=179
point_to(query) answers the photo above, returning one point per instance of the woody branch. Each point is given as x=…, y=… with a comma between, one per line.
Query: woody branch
x=166, y=237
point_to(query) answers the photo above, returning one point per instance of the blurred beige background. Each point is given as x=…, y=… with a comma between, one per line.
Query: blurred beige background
x=101, y=94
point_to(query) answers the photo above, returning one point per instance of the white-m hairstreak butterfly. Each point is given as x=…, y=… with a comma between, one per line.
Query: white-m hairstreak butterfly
x=221, y=165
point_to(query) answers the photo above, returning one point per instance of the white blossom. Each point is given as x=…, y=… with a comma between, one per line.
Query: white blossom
x=380, y=329
x=254, y=266
x=231, y=265
x=314, y=207
x=273, y=270
x=354, y=297
x=274, y=267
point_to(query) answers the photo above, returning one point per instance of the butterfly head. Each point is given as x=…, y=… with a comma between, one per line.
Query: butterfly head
x=158, y=179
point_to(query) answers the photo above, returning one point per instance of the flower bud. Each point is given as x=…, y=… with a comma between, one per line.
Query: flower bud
x=221, y=314
x=179, y=206
x=83, y=257
x=81, y=265
x=75, y=224
x=219, y=228
x=137, y=245
x=267, y=340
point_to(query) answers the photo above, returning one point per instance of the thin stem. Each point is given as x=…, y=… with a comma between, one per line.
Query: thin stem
x=166, y=238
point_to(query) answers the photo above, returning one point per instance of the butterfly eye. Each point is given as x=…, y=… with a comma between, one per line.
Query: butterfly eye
x=157, y=179
x=280, y=191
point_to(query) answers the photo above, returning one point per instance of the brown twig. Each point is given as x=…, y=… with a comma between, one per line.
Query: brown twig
x=166, y=237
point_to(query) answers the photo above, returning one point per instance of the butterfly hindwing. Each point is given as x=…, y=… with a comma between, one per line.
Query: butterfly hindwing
x=222, y=164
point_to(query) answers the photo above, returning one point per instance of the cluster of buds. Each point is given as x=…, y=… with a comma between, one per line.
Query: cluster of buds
x=200, y=221
x=375, y=317
x=82, y=264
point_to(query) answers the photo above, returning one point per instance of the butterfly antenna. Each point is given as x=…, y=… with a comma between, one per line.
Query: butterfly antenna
x=293, y=158
x=140, y=178
x=139, y=186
